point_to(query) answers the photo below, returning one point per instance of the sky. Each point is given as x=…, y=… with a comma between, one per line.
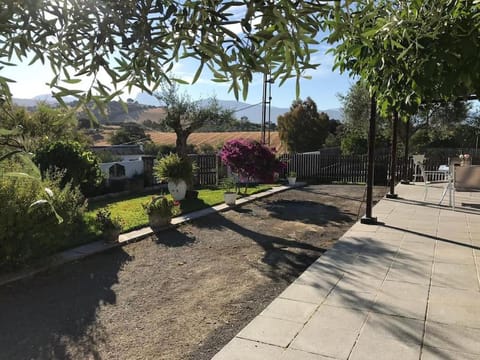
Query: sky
x=323, y=87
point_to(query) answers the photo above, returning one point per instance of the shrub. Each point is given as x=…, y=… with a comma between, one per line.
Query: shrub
x=106, y=222
x=228, y=184
x=28, y=232
x=174, y=168
x=81, y=166
x=160, y=205
x=250, y=159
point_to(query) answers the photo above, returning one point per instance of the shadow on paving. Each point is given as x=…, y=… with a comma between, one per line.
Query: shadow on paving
x=43, y=328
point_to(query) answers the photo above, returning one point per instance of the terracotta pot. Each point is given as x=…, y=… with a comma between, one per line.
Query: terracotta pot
x=177, y=189
x=158, y=222
x=111, y=235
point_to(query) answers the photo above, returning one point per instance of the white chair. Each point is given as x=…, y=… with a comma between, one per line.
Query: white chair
x=417, y=160
x=429, y=176
x=453, y=165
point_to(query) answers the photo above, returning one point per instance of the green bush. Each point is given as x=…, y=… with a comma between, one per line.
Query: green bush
x=173, y=168
x=81, y=166
x=28, y=232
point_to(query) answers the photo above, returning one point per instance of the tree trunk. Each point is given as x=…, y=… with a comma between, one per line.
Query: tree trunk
x=181, y=143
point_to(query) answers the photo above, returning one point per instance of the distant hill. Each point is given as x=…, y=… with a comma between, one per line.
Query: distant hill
x=252, y=111
x=147, y=107
x=44, y=98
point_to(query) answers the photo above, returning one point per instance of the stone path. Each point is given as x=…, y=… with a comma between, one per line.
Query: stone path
x=405, y=289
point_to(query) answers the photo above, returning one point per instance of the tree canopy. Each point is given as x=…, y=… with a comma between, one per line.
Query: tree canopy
x=303, y=128
x=136, y=43
x=184, y=115
x=409, y=52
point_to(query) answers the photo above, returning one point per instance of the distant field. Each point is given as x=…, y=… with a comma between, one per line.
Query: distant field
x=213, y=138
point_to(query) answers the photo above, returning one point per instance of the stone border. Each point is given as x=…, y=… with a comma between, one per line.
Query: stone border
x=99, y=246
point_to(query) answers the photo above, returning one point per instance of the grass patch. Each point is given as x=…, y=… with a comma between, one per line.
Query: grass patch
x=130, y=210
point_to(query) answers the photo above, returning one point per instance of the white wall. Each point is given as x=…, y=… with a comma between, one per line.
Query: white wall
x=133, y=167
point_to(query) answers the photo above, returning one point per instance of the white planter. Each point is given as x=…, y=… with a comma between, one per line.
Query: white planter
x=177, y=189
x=291, y=180
x=230, y=198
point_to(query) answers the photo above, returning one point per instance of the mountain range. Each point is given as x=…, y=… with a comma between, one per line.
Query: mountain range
x=253, y=112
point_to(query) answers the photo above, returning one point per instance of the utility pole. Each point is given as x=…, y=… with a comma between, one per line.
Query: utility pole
x=267, y=79
x=264, y=108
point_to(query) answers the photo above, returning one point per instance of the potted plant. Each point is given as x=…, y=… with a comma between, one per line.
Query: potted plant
x=177, y=171
x=229, y=186
x=160, y=211
x=292, y=178
x=109, y=226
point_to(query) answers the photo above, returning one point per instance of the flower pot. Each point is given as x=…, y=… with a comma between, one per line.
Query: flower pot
x=158, y=222
x=291, y=180
x=230, y=198
x=191, y=194
x=177, y=189
x=111, y=235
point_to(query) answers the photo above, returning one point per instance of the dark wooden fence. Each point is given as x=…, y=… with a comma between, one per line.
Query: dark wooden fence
x=331, y=167
x=335, y=168
x=208, y=169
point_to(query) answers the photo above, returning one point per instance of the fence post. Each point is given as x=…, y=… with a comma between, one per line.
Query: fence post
x=216, y=170
x=393, y=159
x=406, y=164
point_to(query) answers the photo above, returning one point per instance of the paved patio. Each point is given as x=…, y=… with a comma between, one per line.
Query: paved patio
x=407, y=289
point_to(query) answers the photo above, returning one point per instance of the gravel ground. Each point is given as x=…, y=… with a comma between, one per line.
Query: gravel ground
x=183, y=294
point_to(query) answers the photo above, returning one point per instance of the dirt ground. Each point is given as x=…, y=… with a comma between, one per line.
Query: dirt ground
x=182, y=295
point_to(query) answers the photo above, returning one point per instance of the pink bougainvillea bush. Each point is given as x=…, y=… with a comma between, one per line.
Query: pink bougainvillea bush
x=250, y=160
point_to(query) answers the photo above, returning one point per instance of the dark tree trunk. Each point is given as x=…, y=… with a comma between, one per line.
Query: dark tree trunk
x=181, y=143
x=368, y=218
x=393, y=154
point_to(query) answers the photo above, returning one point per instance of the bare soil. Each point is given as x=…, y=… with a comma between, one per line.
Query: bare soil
x=182, y=295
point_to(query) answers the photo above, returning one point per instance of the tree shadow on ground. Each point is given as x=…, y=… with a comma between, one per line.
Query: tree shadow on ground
x=283, y=256
x=173, y=238
x=309, y=212
x=42, y=315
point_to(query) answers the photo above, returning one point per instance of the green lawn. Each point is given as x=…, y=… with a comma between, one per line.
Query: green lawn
x=130, y=210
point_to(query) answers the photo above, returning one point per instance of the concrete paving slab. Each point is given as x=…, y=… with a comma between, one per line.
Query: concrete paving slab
x=306, y=293
x=271, y=331
x=454, y=297
x=336, y=343
x=452, y=337
x=291, y=354
x=385, y=349
x=393, y=327
x=241, y=349
x=402, y=299
x=456, y=276
x=430, y=353
x=353, y=299
x=453, y=253
x=287, y=309
x=410, y=271
x=456, y=315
